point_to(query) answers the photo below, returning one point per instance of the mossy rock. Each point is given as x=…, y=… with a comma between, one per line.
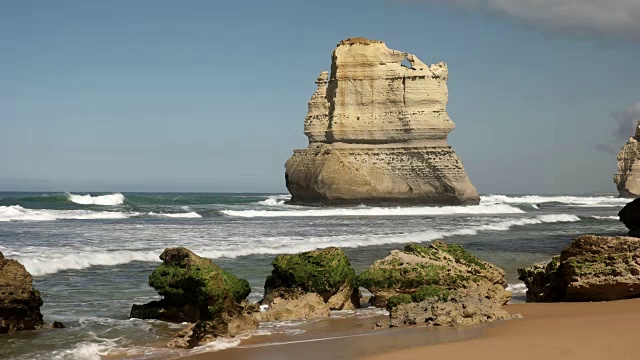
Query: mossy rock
x=187, y=279
x=438, y=293
x=323, y=271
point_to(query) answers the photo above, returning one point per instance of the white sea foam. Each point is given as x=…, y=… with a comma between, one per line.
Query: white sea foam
x=380, y=211
x=275, y=200
x=18, y=213
x=518, y=288
x=112, y=199
x=187, y=215
x=582, y=201
x=51, y=262
x=606, y=217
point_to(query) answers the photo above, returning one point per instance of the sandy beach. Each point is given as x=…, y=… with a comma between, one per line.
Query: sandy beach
x=605, y=330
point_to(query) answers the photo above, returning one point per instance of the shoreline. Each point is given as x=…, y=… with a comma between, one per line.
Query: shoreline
x=568, y=331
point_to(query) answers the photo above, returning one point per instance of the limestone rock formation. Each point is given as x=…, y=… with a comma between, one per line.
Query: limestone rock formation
x=627, y=178
x=592, y=268
x=471, y=304
x=309, y=284
x=196, y=290
x=377, y=133
x=448, y=267
x=19, y=302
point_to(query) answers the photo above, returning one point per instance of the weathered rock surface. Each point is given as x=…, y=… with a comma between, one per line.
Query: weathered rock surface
x=325, y=274
x=592, y=268
x=630, y=217
x=473, y=303
x=378, y=133
x=196, y=290
x=627, y=178
x=19, y=302
x=439, y=264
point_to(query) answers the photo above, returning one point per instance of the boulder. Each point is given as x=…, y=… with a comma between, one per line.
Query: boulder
x=377, y=133
x=19, y=302
x=473, y=303
x=196, y=290
x=439, y=264
x=326, y=273
x=305, y=307
x=592, y=268
x=630, y=217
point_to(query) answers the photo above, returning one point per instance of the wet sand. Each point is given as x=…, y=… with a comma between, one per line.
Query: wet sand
x=565, y=331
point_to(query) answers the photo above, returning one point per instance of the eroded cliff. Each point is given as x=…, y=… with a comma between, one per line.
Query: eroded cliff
x=378, y=132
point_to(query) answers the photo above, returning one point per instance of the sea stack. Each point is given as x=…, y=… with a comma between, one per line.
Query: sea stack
x=627, y=178
x=377, y=133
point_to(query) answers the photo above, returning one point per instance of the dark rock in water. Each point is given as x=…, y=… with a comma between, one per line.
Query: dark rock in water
x=58, y=325
x=19, y=302
x=592, y=268
x=439, y=264
x=196, y=290
x=309, y=284
x=438, y=285
x=630, y=217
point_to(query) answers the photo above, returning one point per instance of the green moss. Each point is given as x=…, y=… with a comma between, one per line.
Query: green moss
x=429, y=292
x=322, y=271
x=189, y=279
x=398, y=299
x=410, y=277
x=460, y=255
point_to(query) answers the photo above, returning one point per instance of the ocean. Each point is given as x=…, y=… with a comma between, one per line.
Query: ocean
x=91, y=255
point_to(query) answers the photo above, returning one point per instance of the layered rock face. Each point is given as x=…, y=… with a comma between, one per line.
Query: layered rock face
x=19, y=302
x=378, y=133
x=310, y=284
x=196, y=290
x=592, y=268
x=627, y=178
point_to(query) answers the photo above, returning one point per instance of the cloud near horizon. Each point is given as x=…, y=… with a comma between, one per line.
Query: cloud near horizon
x=582, y=18
x=626, y=121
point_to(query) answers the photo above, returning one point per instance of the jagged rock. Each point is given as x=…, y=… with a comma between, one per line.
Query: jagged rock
x=326, y=272
x=473, y=303
x=630, y=217
x=592, y=268
x=439, y=264
x=305, y=307
x=19, y=302
x=196, y=290
x=627, y=178
x=378, y=133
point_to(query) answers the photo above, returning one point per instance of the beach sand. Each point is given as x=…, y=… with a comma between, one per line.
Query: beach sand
x=548, y=331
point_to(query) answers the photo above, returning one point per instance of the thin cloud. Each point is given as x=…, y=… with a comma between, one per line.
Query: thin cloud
x=611, y=18
x=625, y=124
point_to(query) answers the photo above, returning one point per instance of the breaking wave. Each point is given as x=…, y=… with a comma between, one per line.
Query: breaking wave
x=518, y=288
x=606, y=217
x=54, y=262
x=275, y=200
x=188, y=215
x=18, y=213
x=582, y=201
x=112, y=199
x=380, y=211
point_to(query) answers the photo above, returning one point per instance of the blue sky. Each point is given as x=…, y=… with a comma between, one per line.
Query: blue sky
x=211, y=96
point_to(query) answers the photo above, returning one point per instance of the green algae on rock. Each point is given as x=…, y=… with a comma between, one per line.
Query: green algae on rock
x=592, y=268
x=439, y=264
x=326, y=272
x=196, y=290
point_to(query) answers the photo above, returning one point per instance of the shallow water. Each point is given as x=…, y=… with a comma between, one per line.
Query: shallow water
x=91, y=255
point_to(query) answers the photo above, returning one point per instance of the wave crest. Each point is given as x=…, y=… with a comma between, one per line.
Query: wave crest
x=18, y=213
x=105, y=200
x=380, y=211
x=581, y=201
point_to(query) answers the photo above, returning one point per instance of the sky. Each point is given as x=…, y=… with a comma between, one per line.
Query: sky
x=156, y=95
